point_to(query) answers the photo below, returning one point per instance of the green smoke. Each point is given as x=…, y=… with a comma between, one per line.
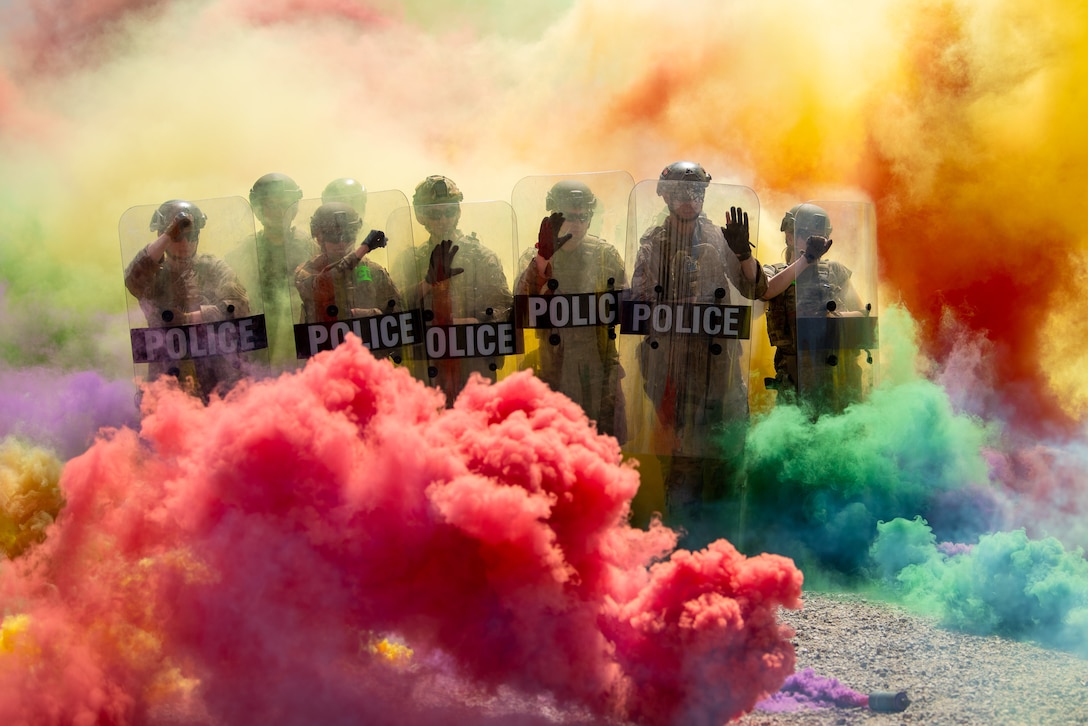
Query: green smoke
x=1006, y=584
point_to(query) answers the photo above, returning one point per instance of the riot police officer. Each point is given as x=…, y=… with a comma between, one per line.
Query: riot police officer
x=694, y=377
x=581, y=362
x=809, y=287
x=175, y=286
x=463, y=282
x=341, y=282
x=281, y=248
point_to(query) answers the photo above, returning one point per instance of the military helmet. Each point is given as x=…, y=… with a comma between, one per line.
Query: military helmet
x=682, y=171
x=335, y=218
x=570, y=194
x=168, y=210
x=811, y=219
x=273, y=185
x=436, y=189
x=344, y=190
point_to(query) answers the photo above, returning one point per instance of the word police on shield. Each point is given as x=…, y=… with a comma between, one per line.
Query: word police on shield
x=567, y=311
x=202, y=340
x=479, y=340
x=378, y=332
x=720, y=321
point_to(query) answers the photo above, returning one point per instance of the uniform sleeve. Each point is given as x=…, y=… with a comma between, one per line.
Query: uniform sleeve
x=644, y=277
x=613, y=264
x=140, y=275
x=306, y=284
x=386, y=289
x=530, y=281
x=494, y=293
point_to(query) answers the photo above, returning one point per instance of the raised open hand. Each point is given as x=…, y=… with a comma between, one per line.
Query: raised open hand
x=548, y=239
x=441, y=267
x=736, y=233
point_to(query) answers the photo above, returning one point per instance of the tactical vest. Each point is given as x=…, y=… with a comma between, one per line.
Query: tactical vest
x=782, y=310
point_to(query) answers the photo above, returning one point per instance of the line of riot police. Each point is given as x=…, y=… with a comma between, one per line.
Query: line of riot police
x=651, y=333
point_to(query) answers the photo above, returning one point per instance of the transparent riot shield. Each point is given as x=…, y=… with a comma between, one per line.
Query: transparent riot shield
x=282, y=243
x=337, y=292
x=566, y=309
x=190, y=315
x=464, y=295
x=685, y=327
x=836, y=305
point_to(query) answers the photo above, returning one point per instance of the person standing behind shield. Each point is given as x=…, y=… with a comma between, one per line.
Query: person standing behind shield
x=281, y=248
x=343, y=283
x=581, y=362
x=809, y=286
x=176, y=286
x=697, y=387
x=463, y=281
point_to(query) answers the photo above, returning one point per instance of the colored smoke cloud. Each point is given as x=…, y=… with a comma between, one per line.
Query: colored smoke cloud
x=806, y=689
x=1006, y=584
x=959, y=119
x=817, y=488
x=63, y=411
x=30, y=496
x=248, y=546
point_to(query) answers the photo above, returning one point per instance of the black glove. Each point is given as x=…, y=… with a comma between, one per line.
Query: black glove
x=375, y=240
x=548, y=239
x=816, y=247
x=736, y=233
x=441, y=267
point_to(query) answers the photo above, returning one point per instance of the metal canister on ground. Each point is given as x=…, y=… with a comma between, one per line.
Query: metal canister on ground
x=888, y=701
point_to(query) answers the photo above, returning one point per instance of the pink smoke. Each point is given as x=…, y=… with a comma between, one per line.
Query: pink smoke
x=252, y=544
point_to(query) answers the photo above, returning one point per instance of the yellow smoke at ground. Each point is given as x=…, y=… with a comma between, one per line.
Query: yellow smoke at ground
x=30, y=496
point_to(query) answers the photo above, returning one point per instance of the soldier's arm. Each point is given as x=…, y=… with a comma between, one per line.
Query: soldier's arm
x=747, y=276
x=533, y=276
x=643, y=278
x=496, y=293
x=304, y=280
x=613, y=265
x=140, y=273
x=781, y=280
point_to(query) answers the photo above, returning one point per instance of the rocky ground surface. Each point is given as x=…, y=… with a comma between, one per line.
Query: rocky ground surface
x=949, y=677
x=865, y=645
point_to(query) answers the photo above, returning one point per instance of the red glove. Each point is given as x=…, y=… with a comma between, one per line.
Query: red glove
x=548, y=239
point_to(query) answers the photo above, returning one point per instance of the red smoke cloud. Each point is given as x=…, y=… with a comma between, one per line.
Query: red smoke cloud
x=252, y=545
x=966, y=215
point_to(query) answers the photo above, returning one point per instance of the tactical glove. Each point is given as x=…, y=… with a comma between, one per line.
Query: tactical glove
x=375, y=240
x=816, y=247
x=441, y=267
x=548, y=239
x=736, y=233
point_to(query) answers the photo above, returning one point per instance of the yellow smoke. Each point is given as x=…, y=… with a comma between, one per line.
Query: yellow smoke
x=970, y=109
x=30, y=496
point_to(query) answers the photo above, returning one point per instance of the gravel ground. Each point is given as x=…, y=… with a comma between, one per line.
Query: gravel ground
x=866, y=645
x=950, y=677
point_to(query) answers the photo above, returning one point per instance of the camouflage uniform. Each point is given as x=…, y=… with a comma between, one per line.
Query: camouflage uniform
x=584, y=363
x=174, y=288
x=356, y=287
x=480, y=292
x=827, y=280
x=700, y=398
